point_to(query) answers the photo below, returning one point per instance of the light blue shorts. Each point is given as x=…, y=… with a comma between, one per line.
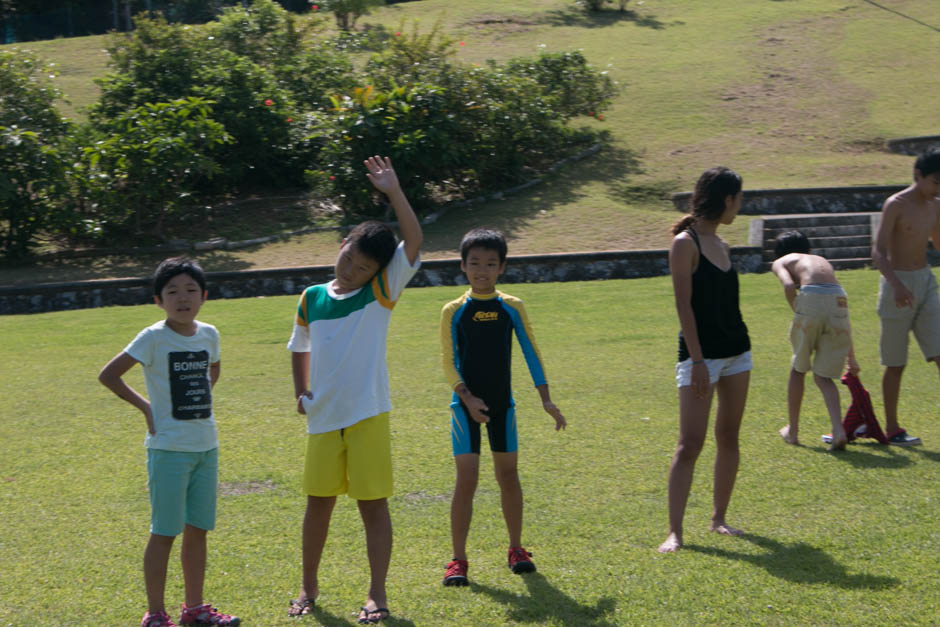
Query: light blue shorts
x=717, y=368
x=182, y=490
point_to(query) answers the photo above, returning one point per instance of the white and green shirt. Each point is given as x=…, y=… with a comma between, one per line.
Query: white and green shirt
x=345, y=335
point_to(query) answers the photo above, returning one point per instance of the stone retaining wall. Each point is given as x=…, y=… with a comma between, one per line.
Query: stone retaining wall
x=853, y=199
x=279, y=281
x=913, y=145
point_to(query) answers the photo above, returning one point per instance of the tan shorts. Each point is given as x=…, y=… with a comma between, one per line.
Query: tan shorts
x=923, y=318
x=356, y=460
x=820, y=333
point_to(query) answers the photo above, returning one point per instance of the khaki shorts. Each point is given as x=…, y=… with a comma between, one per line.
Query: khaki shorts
x=356, y=460
x=923, y=318
x=820, y=333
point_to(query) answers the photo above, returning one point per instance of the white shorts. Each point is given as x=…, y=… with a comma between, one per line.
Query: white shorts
x=717, y=368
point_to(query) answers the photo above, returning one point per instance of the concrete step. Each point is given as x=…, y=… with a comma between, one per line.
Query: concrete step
x=794, y=221
x=828, y=242
x=843, y=252
x=819, y=231
x=838, y=264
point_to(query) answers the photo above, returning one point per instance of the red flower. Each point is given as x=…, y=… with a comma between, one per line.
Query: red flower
x=315, y=7
x=268, y=102
x=591, y=113
x=462, y=43
x=332, y=178
x=600, y=116
x=398, y=34
x=290, y=119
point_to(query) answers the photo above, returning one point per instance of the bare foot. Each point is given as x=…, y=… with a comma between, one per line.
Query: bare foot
x=785, y=434
x=725, y=529
x=672, y=544
x=838, y=445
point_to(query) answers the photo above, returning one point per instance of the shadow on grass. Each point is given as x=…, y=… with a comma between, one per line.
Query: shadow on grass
x=546, y=603
x=855, y=455
x=933, y=456
x=575, y=16
x=800, y=563
x=331, y=620
x=611, y=166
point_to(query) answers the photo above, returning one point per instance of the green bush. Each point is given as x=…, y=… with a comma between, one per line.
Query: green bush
x=162, y=62
x=32, y=170
x=151, y=162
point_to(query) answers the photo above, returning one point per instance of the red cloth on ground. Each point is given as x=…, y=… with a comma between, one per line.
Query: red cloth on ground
x=860, y=412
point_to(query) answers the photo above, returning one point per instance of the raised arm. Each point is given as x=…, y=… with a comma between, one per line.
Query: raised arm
x=682, y=256
x=383, y=177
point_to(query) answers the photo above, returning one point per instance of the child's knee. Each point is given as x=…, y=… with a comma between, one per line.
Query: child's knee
x=688, y=449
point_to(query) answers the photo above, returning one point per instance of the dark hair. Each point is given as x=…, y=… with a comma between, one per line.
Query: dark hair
x=928, y=162
x=175, y=266
x=708, y=199
x=489, y=239
x=375, y=240
x=790, y=242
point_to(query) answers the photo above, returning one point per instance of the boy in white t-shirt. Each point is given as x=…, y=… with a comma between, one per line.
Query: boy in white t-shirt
x=341, y=385
x=180, y=357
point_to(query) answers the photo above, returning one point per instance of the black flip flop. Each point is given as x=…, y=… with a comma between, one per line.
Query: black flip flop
x=365, y=620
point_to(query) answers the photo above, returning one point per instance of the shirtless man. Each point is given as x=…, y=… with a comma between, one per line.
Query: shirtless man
x=907, y=300
x=820, y=327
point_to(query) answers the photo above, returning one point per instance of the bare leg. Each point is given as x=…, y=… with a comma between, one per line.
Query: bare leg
x=510, y=492
x=378, y=525
x=461, y=505
x=831, y=397
x=315, y=529
x=891, y=391
x=795, y=388
x=732, y=397
x=156, y=558
x=193, y=558
x=693, y=424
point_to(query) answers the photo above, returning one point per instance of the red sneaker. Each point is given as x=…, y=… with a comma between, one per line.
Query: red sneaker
x=456, y=573
x=520, y=560
x=156, y=619
x=206, y=615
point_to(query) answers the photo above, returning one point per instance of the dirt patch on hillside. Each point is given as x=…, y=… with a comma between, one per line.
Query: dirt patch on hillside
x=500, y=25
x=799, y=95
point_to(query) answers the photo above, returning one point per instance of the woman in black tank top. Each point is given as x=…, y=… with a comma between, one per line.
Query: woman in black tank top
x=714, y=348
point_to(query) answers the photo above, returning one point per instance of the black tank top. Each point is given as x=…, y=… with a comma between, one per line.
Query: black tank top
x=721, y=330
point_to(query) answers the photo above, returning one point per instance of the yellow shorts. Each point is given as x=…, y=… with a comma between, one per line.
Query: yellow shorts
x=356, y=460
x=820, y=333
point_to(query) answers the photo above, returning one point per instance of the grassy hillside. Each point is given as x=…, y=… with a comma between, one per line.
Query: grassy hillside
x=788, y=93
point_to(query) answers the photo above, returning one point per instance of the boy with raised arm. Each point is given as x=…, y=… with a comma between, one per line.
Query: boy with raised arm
x=820, y=328
x=476, y=350
x=341, y=385
x=907, y=298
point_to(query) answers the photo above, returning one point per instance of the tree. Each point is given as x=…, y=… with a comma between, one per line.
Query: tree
x=347, y=12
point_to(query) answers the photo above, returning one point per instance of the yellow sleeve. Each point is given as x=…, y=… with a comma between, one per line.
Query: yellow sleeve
x=449, y=343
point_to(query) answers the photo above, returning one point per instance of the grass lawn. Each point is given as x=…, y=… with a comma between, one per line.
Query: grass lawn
x=790, y=94
x=846, y=539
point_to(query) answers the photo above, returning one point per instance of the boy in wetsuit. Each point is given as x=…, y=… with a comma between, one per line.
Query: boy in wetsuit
x=476, y=350
x=907, y=298
x=820, y=327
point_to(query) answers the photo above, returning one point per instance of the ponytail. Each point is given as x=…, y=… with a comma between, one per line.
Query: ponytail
x=684, y=222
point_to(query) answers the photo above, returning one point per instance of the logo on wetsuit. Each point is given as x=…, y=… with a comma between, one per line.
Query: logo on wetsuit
x=486, y=316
